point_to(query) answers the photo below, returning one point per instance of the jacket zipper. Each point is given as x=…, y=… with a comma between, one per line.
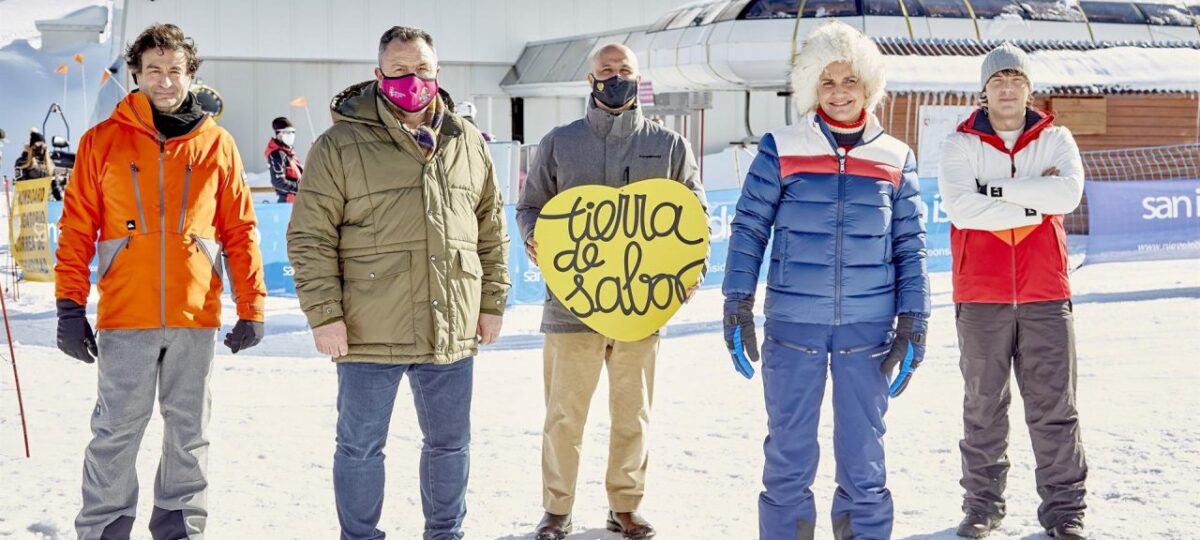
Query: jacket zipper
x=837, y=268
x=187, y=180
x=441, y=167
x=1012, y=238
x=137, y=195
x=862, y=348
x=801, y=348
x=162, y=231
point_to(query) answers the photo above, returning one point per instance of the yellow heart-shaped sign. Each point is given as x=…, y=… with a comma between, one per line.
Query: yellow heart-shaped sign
x=622, y=260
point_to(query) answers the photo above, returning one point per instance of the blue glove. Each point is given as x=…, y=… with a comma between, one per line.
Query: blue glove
x=740, y=338
x=908, y=350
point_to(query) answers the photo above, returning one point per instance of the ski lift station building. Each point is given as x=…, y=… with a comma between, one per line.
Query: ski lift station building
x=1119, y=73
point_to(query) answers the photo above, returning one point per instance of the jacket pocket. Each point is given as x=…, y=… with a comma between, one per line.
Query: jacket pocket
x=874, y=350
x=377, y=299
x=888, y=261
x=793, y=346
x=107, y=251
x=467, y=286
x=775, y=272
x=212, y=252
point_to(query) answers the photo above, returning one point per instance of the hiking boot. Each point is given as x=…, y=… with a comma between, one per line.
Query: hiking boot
x=630, y=525
x=553, y=527
x=1071, y=529
x=978, y=524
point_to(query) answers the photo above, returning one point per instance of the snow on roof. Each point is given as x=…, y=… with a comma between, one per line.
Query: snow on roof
x=1101, y=70
x=18, y=18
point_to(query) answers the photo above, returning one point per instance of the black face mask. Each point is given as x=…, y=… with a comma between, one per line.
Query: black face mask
x=614, y=92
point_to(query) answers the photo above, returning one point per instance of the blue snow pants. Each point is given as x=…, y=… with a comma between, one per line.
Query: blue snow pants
x=796, y=358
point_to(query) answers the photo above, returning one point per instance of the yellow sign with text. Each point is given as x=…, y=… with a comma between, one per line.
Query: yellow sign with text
x=29, y=229
x=623, y=260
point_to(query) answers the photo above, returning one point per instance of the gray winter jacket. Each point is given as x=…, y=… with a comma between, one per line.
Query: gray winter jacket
x=600, y=148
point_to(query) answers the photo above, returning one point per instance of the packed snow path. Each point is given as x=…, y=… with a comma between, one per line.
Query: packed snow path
x=1138, y=333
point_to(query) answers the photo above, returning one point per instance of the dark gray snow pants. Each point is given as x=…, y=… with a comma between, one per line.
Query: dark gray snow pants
x=1036, y=341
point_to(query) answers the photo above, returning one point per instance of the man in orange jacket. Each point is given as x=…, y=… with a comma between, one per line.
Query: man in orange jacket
x=163, y=188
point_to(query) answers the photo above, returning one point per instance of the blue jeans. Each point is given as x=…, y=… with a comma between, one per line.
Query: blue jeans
x=366, y=395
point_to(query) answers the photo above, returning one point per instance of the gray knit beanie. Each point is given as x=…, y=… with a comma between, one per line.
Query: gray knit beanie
x=1006, y=56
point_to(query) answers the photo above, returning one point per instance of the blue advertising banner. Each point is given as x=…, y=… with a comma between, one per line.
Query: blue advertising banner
x=937, y=227
x=1143, y=220
x=528, y=287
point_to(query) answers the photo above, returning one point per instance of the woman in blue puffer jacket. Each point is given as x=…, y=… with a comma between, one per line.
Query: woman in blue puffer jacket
x=847, y=290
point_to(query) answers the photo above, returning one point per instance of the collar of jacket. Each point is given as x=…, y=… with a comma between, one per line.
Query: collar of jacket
x=360, y=104
x=274, y=144
x=980, y=125
x=871, y=131
x=134, y=110
x=607, y=124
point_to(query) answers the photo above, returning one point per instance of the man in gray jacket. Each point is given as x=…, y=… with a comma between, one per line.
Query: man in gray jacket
x=612, y=145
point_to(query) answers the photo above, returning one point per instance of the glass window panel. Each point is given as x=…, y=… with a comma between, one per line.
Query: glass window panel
x=945, y=9
x=733, y=10
x=772, y=9
x=830, y=8
x=1112, y=12
x=1166, y=15
x=1052, y=10
x=990, y=9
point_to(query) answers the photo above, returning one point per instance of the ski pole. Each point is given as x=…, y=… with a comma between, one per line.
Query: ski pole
x=16, y=377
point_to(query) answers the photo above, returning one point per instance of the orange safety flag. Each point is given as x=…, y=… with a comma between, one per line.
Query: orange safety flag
x=79, y=57
x=62, y=69
x=104, y=77
x=300, y=102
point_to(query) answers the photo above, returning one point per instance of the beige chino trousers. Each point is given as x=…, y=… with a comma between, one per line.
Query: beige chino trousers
x=572, y=371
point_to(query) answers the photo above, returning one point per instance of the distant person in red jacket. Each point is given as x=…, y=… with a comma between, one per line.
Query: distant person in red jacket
x=1007, y=178
x=281, y=160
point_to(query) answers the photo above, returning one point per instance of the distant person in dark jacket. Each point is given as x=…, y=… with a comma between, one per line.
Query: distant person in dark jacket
x=34, y=161
x=281, y=160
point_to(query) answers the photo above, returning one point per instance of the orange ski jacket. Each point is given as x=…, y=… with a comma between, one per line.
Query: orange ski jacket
x=160, y=213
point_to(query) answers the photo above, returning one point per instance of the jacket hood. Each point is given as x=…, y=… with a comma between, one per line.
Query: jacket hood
x=134, y=110
x=357, y=104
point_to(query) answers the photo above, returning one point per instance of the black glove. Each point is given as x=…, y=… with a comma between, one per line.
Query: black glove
x=908, y=350
x=245, y=334
x=75, y=335
x=740, y=337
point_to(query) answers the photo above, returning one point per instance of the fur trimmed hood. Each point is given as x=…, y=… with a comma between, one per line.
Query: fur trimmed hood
x=831, y=42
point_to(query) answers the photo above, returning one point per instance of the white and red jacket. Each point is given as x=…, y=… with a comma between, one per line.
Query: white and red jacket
x=1007, y=238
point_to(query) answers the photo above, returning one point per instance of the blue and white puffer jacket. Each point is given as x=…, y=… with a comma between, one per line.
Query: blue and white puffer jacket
x=849, y=228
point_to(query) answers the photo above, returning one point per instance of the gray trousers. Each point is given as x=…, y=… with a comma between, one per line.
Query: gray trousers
x=133, y=364
x=1037, y=342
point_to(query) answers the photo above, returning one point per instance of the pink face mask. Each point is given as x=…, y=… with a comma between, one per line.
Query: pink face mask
x=409, y=92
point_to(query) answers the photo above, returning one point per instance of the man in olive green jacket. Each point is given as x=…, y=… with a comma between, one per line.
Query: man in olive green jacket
x=400, y=254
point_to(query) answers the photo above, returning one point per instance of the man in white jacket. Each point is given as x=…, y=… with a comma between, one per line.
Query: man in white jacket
x=1007, y=177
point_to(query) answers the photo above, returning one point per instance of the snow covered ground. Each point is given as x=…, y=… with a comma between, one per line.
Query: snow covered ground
x=273, y=422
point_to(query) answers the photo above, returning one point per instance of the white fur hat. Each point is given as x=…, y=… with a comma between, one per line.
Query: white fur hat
x=831, y=42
